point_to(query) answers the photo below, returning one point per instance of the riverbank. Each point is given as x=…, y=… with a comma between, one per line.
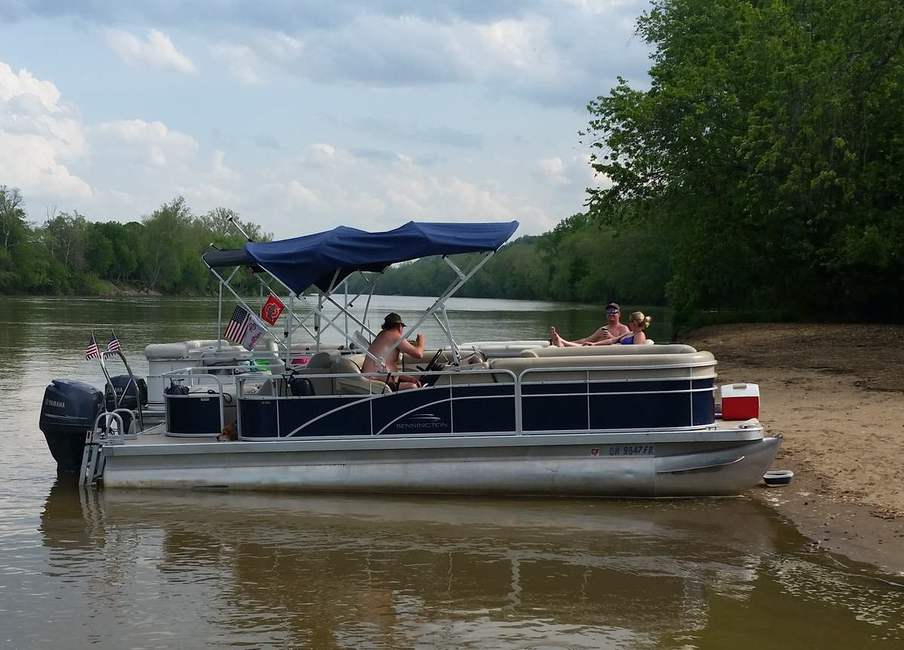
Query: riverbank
x=837, y=395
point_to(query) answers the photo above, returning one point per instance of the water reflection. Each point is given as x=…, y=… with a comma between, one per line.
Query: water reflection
x=319, y=571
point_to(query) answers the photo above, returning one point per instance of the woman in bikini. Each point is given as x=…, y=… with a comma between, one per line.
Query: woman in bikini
x=636, y=335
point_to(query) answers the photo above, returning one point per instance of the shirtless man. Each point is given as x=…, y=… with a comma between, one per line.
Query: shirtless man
x=391, y=332
x=605, y=335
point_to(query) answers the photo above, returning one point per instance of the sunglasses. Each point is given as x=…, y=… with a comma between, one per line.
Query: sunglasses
x=609, y=312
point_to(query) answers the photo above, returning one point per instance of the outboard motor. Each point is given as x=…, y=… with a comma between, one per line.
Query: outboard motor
x=68, y=412
x=123, y=384
x=127, y=395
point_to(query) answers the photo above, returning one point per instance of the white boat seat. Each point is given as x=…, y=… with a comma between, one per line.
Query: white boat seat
x=690, y=365
x=608, y=350
x=359, y=385
x=321, y=362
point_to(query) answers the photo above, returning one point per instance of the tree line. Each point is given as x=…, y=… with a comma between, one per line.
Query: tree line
x=769, y=150
x=580, y=260
x=71, y=255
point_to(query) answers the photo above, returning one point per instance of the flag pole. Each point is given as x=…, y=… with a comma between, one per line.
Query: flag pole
x=103, y=367
x=132, y=382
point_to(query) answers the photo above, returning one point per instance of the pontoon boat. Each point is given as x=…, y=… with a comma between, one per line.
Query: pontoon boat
x=493, y=417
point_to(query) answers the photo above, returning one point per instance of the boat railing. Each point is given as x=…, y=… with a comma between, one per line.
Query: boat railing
x=224, y=371
x=547, y=399
x=594, y=389
x=198, y=379
x=276, y=389
x=376, y=382
x=110, y=427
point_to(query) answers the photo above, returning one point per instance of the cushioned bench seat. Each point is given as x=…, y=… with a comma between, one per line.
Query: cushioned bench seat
x=608, y=350
x=610, y=367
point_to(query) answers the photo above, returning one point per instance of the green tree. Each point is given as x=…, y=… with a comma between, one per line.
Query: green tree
x=769, y=148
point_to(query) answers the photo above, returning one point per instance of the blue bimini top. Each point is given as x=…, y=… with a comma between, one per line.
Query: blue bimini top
x=326, y=258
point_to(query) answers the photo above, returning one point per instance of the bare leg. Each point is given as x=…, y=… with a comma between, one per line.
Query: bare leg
x=556, y=340
x=569, y=344
x=562, y=343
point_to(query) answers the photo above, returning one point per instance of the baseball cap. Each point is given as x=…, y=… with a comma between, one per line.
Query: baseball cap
x=392, y=320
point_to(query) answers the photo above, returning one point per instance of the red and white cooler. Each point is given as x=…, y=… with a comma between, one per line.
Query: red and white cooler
x=740, y=401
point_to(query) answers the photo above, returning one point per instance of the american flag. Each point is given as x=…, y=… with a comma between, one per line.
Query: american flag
x=238, y=325
x=113, y=345
x=92, y=352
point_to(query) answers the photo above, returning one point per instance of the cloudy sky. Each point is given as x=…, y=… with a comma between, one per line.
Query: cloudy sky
x=304, y=114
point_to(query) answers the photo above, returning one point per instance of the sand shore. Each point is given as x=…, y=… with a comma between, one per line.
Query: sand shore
x=836, y=393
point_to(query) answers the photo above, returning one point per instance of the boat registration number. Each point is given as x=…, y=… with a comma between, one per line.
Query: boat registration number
x=632, y=450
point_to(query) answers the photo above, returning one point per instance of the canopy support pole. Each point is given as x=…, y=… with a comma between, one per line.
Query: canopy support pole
x=345, y=307
x=247, y=307
x=454, y=267
x=370, y=294
x=331, y=322
x=291, y=316
x=289, y=333
x=441, y=301
x=317, y=322
x=354, y=318
x=447, y=328
x=220, y=316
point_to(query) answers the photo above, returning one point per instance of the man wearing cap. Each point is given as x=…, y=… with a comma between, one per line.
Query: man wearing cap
x=613, y=329
x=389, y=345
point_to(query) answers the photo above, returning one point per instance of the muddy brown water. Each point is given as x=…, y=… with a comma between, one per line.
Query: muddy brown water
x=151, y=569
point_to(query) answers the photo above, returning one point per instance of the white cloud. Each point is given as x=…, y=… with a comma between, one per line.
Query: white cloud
x=127, y=167
x=241, y=61
x=553, y=169
x=38, y=137
x=220, y=170
x=328, y=185
x=23, y=84
x=570, y=171
x=160, y=145
x=553, y=53
x=156, y=51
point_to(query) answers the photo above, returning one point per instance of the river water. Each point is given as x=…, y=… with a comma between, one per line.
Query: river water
x=144, y=569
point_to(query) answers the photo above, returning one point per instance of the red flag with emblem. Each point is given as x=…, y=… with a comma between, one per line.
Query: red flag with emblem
x=272, y=309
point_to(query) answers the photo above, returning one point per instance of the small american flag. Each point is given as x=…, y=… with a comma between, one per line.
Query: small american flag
x=92, y=351
x=238, y=325
x=113, y=345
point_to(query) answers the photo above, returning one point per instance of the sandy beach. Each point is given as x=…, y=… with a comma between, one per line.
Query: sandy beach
x=836, y=394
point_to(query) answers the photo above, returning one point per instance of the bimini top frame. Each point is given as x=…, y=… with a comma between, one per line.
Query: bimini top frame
x=323, y=261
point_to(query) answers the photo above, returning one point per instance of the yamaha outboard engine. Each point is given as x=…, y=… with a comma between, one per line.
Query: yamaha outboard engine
x=133, y=390
x=68, y=413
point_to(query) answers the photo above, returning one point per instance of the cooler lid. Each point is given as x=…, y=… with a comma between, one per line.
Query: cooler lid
x=740, y=390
